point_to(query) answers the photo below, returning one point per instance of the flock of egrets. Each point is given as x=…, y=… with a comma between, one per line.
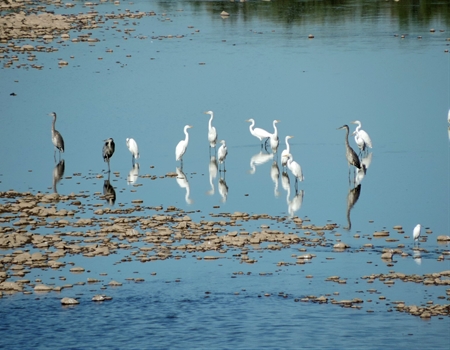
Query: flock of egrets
x=362, y=140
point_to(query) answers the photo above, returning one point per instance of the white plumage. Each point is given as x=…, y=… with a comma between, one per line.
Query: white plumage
x=182, y=145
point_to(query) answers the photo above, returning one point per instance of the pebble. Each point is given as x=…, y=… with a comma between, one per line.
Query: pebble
x=69, y=301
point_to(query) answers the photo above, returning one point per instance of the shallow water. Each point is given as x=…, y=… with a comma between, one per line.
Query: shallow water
x=258, y=63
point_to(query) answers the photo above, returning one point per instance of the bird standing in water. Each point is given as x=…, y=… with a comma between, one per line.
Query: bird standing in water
x=182, y=146
x=133, y=148
x=57, y=139
x=212, y=133
x=108, y=150
x=222, y=153
x=352, y=157
x=362, y=138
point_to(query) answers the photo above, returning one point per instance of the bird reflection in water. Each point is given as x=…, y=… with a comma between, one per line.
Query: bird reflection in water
x=295, y=203
x=133, y=174
x=183, y=183
x=417, y=257
x=259, y=159
x=212, y=173
x=223, y=188
x=58, y=173
x=352, y=198
x=108, y=191
x=275, y=174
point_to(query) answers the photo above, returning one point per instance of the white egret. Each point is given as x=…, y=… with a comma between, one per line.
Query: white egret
x=274, y=141
x=222, y=152
x=416, y=232
x=351, y=155
x=57, y=139
x=295, y=169
x=286, y=151
x=362, y=138
x=108, y=150
x=133, y=148
x=212, y=133
x=258, y=132
x=182, y=145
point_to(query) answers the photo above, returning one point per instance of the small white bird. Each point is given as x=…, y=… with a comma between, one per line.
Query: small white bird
x=182, y=145
x=274, y=141
x=286, y=151
x=258, y=132
x=212, y=133
x=133, y=148
x=416, y=232
x=222, y=152
x=295, y=168
x=362, y=138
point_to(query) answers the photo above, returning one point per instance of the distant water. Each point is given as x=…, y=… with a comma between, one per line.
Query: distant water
x=257, y=63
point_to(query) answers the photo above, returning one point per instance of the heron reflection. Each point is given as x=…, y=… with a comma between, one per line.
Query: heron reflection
x=223, y=189
x=133, y=174
x=58, y=173
x=259, y=159
x=212, y=173
x=352, y=198
x=109, y=192
x=183, y=183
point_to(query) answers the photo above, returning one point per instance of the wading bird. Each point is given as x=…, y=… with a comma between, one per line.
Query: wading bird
x=362, y=138
x=352, y=157
x=133, y=148
x=258, y=132
x=295, y=169
x=222, y=153
x=274, y=141
x=212, y=133
x=182, y=146
x=57, y=139
x=108, y=150
x=416, y=232
x=286, y=151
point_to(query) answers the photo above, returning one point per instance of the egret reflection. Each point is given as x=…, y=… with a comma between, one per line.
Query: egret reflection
x=212, y=173
x=259, y=159
x=417, y=257
x=109, y=192
x=58, y=173
x=352, y=198
x=286, y=183
x=183, y=183
x=133, y=174
x=275, y=175
x=295, y=203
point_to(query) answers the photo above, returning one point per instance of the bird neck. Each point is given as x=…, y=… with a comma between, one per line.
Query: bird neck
x=210, y=120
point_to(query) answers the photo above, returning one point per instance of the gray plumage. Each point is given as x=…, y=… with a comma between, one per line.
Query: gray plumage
x=351, y=155
x=57, y=139
x=108, y=150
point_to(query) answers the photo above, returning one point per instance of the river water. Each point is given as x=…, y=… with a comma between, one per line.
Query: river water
x=377, y=62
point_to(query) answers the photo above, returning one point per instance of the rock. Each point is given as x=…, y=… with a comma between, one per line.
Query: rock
x=69, y=301
x=77, y=269
x=443, y=238
x=11, y=287
x=42, y=288
x=98, y=297
x=341, y=245
x=114, y=283
x=381, y=234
